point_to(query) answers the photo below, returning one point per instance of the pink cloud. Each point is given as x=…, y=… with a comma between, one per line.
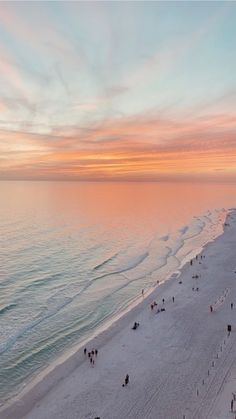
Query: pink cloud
x=126, y=149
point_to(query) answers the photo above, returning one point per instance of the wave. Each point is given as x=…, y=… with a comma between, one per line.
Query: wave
x=132, y=263
x=183, y=230
x=162, y=261
x=43, y=315
x=7, y=308
x=164, y=238
x=42, y=281
x=129, y=265
x=195, y=229
x=157, y=257
x=177, y=244
x=105, y=262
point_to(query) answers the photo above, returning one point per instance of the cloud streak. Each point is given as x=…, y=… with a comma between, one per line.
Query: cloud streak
x=94, y=94
x=125, y=149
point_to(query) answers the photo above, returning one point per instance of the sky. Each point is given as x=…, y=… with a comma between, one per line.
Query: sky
x=142, y=91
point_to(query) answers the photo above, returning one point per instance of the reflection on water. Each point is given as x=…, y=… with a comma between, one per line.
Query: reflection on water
x=72, y=255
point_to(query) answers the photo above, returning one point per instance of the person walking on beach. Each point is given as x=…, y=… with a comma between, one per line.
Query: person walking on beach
x=143, y=292
x=232, y=305
x=211, y=309
x=85, y=350
x=96, y=352
x=173, y=299
x=232, y=405
x=163, y=300
x=126, y=380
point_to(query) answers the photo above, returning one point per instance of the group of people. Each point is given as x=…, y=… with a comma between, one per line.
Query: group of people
x=154, y=304
x=201, y=256
x=91, y=355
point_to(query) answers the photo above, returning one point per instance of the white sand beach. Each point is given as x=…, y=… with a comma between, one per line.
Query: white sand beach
x=181, y=361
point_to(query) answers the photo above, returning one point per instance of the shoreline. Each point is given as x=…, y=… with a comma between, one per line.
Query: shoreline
x=46, y=379
x=73, y=359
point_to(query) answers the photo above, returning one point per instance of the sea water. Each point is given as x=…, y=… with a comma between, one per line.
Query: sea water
x=75, y=255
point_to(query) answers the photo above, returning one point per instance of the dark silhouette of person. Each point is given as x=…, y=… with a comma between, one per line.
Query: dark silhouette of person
x=173, y=299
x=232, y=305
x=85, y=350
x=127, y=379
x=96, y=352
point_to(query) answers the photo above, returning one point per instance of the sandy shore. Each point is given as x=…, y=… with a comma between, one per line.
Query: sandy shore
x=181, y=361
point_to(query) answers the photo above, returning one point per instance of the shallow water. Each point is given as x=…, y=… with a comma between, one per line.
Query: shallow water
x=73, y=255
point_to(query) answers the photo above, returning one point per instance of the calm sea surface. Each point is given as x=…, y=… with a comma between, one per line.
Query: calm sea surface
x=74, y=255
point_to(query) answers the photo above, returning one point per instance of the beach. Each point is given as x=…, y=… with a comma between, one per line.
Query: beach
x=180, y=361
x=117, y=210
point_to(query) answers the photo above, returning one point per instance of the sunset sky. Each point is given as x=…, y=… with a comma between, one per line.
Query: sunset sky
x=118, y=90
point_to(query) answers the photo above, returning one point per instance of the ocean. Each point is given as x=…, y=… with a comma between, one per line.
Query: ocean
x=74, y=255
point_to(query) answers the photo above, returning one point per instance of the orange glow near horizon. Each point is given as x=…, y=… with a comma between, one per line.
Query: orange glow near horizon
x=89, y=98
x=124, y=150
